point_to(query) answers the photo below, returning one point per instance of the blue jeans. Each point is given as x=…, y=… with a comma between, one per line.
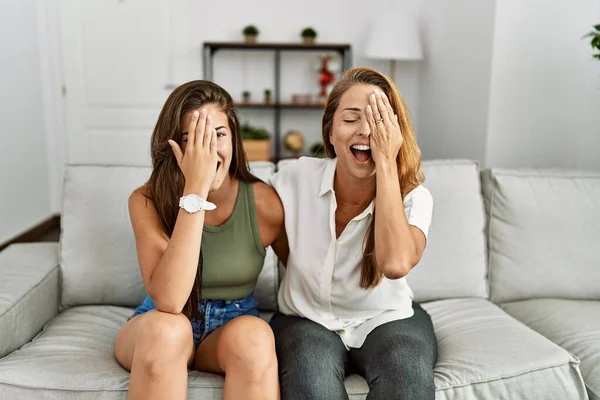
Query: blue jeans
x=216, y=313
x=396, y=359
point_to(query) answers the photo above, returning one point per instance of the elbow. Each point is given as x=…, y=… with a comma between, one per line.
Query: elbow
x=397, y=268
x=167, y=305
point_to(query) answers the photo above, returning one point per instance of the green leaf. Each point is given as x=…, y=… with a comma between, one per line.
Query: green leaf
x=597, y=27
x=596, y=42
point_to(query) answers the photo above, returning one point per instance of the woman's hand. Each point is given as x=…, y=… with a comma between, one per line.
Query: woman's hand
x=199, y=163
x=385, y=138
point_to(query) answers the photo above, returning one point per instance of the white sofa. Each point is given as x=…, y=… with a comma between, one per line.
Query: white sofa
x=510, y=277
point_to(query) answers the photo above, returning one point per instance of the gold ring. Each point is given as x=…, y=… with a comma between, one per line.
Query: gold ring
x=379, y=120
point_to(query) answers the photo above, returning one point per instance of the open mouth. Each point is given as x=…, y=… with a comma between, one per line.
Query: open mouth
x=361, y=152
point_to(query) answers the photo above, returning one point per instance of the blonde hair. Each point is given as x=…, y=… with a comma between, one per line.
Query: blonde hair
x=408, y=160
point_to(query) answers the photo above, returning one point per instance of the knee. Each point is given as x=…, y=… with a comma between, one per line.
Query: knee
x=411, y=364
x=309, y=356
x=163, y=340
x=247, y=344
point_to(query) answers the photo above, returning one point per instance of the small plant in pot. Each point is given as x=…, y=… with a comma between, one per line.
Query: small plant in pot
x=309, y=35
x=246, y=96
x=250, y=33
x=256, y=142
x=595, y=40
x=317, y=150
x=267, y=96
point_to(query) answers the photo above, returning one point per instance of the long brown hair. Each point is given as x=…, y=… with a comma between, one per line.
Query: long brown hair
x=166, y=182
x=408, y=160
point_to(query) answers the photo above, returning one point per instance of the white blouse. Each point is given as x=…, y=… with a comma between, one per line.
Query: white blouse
x=322, y=279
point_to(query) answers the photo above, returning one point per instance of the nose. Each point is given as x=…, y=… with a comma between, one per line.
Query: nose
x=363, y=128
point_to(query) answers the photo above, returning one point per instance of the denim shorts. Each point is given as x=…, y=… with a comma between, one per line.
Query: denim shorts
x=216, y=313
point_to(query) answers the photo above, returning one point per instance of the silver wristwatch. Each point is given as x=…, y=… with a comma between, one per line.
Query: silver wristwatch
x=193, y=203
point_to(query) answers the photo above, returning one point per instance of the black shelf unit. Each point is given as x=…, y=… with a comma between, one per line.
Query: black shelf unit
x=210, y=48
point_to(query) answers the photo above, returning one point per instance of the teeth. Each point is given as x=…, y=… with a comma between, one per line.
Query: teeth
x=361, y=147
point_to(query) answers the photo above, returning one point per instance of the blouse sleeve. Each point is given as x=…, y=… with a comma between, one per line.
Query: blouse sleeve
x=418, y=207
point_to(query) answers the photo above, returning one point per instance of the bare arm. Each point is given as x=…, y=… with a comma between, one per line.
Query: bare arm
x=168, y=266
x=398, y=245
x=271, y=219
x=281, y=247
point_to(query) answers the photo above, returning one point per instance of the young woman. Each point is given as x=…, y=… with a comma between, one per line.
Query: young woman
x=356, y=224
x=201, y=223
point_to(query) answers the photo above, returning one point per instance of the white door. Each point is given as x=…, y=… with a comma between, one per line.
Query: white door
x=118, y=67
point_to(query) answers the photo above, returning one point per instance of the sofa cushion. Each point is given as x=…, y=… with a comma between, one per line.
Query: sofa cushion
x=572, y=324
x=72, y=358
x=543, y=234
x=98, y=257
x=483, y=354
x=454, y=262
x=486, y=354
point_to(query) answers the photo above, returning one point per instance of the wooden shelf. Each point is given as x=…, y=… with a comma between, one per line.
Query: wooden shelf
x=316, y=106
x=209, y=49
x=278, y=46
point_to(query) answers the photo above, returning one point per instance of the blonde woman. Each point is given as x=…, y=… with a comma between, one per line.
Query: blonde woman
x=356, y=223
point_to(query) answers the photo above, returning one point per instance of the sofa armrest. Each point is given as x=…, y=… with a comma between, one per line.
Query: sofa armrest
x=29, y=292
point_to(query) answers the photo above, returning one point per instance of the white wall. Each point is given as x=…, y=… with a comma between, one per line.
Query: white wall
x=455, y=78
x=545, y=93
x=337, y=21
x=24, y=177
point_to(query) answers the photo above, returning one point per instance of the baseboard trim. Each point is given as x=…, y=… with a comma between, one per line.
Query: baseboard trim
x=35, y=233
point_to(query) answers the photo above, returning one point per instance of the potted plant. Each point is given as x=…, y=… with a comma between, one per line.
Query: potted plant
x=309, y=35
x=246, y=96
x=595, y=40
x=267, y=96
x=250, y=33
x=256, y=142
x=317, y=150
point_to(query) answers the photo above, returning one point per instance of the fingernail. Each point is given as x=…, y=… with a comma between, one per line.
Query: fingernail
x=195, y=113
x=372, y=95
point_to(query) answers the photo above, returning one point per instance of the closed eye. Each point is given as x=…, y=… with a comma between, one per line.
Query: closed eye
x=350, y=120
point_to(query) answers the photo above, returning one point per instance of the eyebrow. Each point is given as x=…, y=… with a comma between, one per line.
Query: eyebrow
x=217, y=128
x=352, y=109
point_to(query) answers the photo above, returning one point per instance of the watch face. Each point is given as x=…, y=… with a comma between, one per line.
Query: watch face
x=192, y=203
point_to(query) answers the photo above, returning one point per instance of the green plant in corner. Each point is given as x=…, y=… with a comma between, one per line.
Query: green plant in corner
x=595, y=40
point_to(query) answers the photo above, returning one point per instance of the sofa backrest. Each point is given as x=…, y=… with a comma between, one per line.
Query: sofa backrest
x=99, y=262
x=98, y=257
x=543, y=233
x=454, y=262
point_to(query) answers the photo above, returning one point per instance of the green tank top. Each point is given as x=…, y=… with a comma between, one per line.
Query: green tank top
x=232, y=252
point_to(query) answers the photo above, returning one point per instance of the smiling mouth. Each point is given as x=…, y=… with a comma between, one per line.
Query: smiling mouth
x=361, y=153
